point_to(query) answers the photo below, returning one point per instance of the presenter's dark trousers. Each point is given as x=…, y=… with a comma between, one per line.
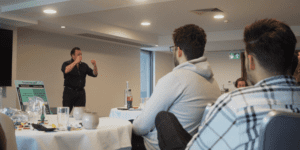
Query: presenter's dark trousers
x=73, y=97
x=170, y=133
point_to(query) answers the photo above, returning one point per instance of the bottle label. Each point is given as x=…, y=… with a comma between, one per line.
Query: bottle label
x=129, y=98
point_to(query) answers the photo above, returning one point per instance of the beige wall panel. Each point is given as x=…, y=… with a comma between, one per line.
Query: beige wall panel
x=224, y=69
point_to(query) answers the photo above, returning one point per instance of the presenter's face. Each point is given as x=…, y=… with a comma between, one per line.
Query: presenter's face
x=77, y=54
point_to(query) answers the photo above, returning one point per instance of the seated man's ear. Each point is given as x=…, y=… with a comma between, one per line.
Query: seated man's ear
x=179, y=52
x=251, y=62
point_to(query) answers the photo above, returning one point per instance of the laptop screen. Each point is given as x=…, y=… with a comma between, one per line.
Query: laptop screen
x=26, y=89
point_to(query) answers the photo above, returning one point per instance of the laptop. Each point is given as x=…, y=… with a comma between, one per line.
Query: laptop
x=26, y=89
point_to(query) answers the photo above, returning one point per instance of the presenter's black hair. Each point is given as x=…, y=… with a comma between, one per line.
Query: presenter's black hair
x=73, y=50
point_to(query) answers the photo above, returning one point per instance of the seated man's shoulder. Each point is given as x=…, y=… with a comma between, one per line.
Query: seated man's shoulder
x=179, y=75
x=183, y=74
x=172, y=75
x=253, y=98
x=224, y=100
x=237, y=93
x=235, y=100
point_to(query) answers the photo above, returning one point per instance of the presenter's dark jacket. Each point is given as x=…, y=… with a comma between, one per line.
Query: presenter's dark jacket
x=75, y=79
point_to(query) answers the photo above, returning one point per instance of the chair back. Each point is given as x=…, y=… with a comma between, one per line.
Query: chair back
x=280, y=131
x=208, y=106
x=9, y=131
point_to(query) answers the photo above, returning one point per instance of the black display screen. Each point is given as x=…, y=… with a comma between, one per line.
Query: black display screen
x=6, y=42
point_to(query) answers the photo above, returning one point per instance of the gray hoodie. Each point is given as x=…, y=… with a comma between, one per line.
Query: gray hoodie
x=184, y=92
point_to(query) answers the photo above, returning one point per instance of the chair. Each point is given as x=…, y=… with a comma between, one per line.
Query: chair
x=137, y=142
x=9, y=131
x=280, y=131
x=208, y=106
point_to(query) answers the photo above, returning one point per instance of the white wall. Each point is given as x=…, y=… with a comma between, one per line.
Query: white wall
x=11, y=97
x=224, y=69
x=41, y=54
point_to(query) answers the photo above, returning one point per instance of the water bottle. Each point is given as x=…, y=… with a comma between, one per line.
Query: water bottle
x=129, y=99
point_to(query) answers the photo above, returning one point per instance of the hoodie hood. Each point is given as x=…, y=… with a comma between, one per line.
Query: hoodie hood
x=199, y=66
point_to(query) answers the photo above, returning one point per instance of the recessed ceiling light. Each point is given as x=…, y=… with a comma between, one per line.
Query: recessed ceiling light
x=145, y=23
x=219, y=16
x=156, y=45
x=50, y=11
x=63, y=27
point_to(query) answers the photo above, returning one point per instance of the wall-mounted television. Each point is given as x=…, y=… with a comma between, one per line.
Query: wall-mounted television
x=6, y=42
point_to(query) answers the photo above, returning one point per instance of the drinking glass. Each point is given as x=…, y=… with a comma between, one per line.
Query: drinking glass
x=62, y=117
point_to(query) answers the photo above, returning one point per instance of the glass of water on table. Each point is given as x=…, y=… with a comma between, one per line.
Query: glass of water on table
x=62, y=118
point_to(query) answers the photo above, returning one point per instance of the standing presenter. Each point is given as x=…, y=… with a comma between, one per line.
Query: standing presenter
x=75, y=73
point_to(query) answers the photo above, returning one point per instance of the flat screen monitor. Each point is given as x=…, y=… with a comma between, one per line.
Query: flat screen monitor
x=6, y=42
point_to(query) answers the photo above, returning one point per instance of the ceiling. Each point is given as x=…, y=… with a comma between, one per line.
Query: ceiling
x=11, y=2
x=119, y=20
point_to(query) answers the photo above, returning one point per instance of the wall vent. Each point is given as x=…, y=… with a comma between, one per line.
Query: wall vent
x=113, y=40
x=204, y=11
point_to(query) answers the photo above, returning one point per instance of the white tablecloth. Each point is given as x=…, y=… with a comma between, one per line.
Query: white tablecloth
x=111, y=134
x=124, y=114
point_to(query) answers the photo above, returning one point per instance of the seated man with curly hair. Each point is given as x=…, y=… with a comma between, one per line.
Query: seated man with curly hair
x=184, y=92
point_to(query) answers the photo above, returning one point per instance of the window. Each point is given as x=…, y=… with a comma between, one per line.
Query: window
x=146, y=73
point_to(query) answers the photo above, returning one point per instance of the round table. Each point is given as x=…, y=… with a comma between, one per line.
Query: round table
x=110, y=134
x=124, y=114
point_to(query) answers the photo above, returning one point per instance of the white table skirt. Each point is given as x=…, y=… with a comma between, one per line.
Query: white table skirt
x=111, y=134
x=124, y=114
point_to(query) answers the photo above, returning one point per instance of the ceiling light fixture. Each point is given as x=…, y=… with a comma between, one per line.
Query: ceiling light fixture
x=219, y=16
x=145, y=23
x=50, y=11
x=63, y=27
x=156, y=45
